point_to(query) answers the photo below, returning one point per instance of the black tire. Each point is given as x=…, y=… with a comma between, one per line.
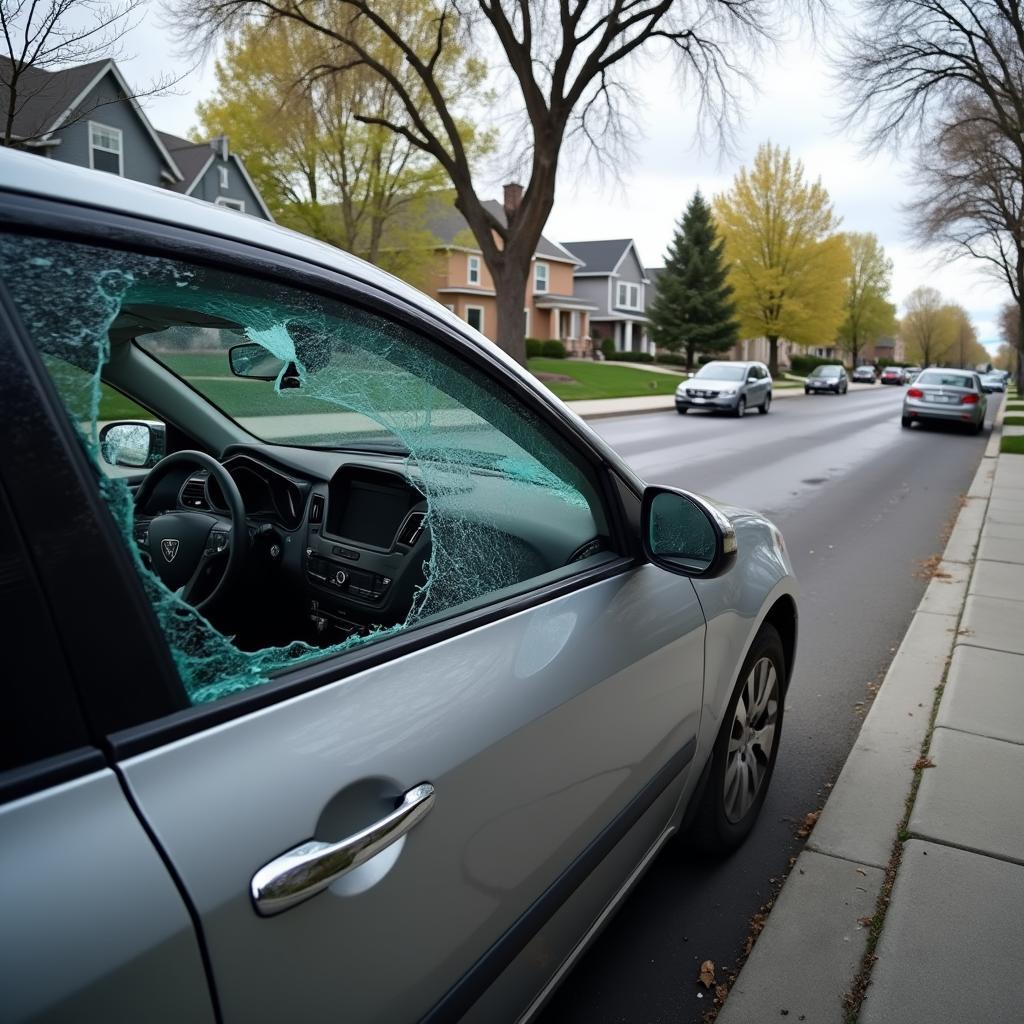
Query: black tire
x=741, y=408
x=905, y=421
x=977, y=428
x=713, y=830
x=807, y=391
x=765, y=406
x=682, y=412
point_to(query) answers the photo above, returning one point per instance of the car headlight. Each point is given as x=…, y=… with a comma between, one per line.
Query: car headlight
x=728, y=391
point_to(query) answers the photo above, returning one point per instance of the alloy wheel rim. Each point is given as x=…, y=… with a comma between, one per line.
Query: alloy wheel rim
x=741, y=407
x=751, y=739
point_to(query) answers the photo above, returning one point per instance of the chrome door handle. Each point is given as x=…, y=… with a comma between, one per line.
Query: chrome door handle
x=311, y=867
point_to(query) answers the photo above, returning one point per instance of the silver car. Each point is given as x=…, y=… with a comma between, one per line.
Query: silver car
x=350, y=673
x=947, y=396
x=722, y=386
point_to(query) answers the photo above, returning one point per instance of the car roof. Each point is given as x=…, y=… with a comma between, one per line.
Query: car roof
x=30, y=174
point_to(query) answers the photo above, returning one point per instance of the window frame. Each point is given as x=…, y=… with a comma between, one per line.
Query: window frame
x=222, y=174
x=103, y=149
x=627, y=288
x=616, y=487
x=538, y=266
x=476, y=309
x=238, y=205
x=473, y=270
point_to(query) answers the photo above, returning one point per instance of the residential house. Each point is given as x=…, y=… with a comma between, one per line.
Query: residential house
x=893, y=349
x=87, y=115
x=611, y=277
x=462, y=282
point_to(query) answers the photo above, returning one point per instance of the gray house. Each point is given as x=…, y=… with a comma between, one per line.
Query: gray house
x=87, y=115
x=612, y=278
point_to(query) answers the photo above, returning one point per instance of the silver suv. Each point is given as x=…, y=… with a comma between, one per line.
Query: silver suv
x=726, y=387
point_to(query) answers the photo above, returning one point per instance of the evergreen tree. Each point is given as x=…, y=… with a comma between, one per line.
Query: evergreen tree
x=693, y=309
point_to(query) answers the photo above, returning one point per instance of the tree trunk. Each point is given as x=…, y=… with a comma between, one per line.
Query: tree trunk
x=773, y=355
x=1020, y=351
x=510, y=286
x=691, y=351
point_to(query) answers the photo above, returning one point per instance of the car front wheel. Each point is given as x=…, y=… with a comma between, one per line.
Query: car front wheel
x=765, y=405
x=741, y=407
x=744, y=756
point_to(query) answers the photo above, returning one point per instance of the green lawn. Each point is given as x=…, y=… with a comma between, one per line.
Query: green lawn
x=601, y=380
x=1012, y=446
x=1014, y=421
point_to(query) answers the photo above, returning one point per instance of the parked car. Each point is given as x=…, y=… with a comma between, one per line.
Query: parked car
x=910, y=374
x=864, y=375
x=722, y=386
x=994, y=381
x=827, y=378
x=892, y=375
x=346, y=666
x=948, y=396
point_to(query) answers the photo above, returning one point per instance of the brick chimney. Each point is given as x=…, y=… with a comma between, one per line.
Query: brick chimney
x=513, y=199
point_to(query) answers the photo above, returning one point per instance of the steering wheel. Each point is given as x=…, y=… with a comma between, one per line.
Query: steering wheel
x=182, y=543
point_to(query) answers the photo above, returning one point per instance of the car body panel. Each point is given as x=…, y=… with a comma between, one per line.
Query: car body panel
x=536, y=730
x=835, y=380
x=93, y=928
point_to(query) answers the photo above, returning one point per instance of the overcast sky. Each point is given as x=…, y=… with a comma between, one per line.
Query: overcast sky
x=795, y=107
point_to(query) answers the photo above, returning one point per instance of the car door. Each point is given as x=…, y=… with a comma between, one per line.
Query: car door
x=555, y=727
x=93, y=926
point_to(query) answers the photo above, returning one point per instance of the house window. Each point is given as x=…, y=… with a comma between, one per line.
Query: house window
x=629, y=295
x=231, y=204
x=473, y=270
x=223, y=172
x=475, y=317
x=540, y=277
x=105, y=149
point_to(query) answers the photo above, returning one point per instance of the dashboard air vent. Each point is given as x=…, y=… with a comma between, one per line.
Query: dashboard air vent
x=193, y=494
x=316, y=509
x=412, y=528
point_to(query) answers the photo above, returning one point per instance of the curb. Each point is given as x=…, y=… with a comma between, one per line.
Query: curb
x=811, y=950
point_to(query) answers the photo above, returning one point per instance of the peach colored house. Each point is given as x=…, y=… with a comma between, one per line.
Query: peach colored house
x=462, y=282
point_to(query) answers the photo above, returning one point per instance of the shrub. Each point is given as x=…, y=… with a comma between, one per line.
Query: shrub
x=671, y=359
x=608, y=348
x=534, y=347
x=553, y=349
x=631, y=357
x=702, y=360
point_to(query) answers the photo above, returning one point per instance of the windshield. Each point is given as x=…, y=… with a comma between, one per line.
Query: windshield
x=825, y=371
x=722, y=371
x=946, y=380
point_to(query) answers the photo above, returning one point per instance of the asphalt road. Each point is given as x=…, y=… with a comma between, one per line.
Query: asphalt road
x=861, y=503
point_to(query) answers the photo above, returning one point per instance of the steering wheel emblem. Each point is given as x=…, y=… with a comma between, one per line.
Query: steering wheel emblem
x=170, y=548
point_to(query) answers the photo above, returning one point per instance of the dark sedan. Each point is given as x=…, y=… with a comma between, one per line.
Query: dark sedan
x=892, y=375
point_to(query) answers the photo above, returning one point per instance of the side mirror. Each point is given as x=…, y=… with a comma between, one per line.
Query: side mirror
x=685, y=534
x=251, y=360
x=136, y=444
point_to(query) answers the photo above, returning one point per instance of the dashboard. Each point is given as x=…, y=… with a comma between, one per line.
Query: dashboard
x=345, y=536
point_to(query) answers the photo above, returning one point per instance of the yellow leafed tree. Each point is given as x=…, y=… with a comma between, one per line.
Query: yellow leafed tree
x=788, y=266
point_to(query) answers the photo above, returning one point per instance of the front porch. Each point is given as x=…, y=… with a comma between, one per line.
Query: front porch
x=567, y=320
x=628, y=334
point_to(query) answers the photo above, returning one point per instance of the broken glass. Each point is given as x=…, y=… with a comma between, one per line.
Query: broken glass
x=342, y=379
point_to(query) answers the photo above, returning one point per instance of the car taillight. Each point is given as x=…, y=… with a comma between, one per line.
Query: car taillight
x=969, y=400
x=915, y=393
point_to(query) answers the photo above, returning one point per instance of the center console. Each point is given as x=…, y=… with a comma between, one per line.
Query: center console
x=366, y=545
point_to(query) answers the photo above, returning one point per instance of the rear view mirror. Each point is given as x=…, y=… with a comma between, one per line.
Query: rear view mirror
x=134, y=444
x=686, y=535
x=254, y=361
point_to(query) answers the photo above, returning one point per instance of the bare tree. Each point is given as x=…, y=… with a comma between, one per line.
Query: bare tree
x=41, y=36
x=560, y=62
x=949, y=74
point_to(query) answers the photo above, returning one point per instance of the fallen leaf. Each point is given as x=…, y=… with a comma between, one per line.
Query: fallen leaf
x=924, y=762
x=721, y=991
x=810, y=820
x=861, y=871
x=707, y=973
x=866, y=922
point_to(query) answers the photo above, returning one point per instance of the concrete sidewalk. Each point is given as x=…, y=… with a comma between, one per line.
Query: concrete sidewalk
x=918, y=857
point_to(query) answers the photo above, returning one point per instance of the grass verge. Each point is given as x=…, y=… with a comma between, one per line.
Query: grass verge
x=1014, y=420
x=573, y=380
x=1012, y=446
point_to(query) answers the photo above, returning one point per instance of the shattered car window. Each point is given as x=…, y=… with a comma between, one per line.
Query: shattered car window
x=292, y=368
